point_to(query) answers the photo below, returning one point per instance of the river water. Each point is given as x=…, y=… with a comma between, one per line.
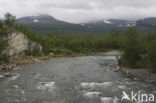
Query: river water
x=87, y=79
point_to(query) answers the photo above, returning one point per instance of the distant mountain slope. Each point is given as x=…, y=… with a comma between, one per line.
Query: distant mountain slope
x=147, y=24
x=42, y=18
x=117, y=22
x=148, y=21
x=45, y=23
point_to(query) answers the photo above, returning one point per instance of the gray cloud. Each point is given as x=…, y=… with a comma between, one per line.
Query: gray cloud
x=81, y=10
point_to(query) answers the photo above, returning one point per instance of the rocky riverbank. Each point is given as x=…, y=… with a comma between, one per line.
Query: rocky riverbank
x=142, y=74
x=22, y=61
x=15, y=64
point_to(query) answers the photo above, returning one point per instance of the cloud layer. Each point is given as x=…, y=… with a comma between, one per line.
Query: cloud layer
x=81, y=10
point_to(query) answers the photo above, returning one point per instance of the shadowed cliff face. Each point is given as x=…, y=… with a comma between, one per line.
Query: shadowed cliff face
x=90, y=79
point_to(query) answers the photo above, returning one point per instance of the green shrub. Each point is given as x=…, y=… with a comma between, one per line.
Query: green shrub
x=143, y=62
x=34, y=52
x=9, y=19
x=4, y=58
x=3, y=27
x=131, y=48
x=151, y=51
x=3, y=45
x=62, y=51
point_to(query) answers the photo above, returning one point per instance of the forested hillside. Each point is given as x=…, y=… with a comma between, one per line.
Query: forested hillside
x=139, y=49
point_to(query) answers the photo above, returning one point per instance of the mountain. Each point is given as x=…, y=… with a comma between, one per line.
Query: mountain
x=143, y=25
x=116, y=22
x=147, y=24
x=41, y=18
x=148, y=21
x=46, y=23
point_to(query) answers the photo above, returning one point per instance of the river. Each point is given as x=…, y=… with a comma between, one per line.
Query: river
x=86, y=79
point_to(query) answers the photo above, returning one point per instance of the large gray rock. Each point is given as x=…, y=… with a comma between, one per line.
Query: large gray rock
x=33, y=45
x=18, y=43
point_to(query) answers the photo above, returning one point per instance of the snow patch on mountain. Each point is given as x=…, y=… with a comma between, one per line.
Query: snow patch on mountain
x=131, y=24
x=82, y=24
x=107, y=21
x=36, y=21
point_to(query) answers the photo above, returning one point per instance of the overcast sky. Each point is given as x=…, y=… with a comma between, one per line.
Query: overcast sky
x=81, y=10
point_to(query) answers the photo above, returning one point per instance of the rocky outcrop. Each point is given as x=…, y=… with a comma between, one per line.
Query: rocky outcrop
x=18, y=44
x=33, y=45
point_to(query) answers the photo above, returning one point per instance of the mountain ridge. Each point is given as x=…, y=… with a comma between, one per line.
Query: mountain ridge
x=47, y=23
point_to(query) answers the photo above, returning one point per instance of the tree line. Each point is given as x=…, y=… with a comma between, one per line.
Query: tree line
x=139, y=50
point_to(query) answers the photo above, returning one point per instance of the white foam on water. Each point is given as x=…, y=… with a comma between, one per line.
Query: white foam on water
x=92, y=94
x=121, y=87
x=106, y=99
x=109, y=100
x=2, y=76
x=50, y=86
x=115, y=100
x=16, y=86
x=37, y=76
x=96, y=85
x=14, y=77
x=22, y=91
x=19, y=89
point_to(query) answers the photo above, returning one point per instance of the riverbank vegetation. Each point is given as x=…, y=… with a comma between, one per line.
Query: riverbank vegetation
x=3, y=44
x=139, y=50
x=73, y=43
